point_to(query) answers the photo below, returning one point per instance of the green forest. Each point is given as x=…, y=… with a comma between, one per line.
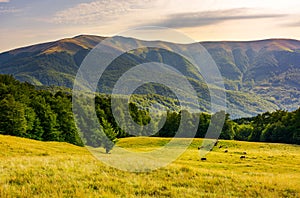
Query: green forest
x=44, y=114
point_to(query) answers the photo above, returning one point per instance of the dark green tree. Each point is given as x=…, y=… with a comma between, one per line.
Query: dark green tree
x=111, y=135
x=65, y=120
x=228, y=131
x=12, y=117
x=47, y=118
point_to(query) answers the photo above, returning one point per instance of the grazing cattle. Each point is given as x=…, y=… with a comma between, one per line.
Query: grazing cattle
x=220, y=146
x=243, y=157
x=244, y=152
x=226, y=151
x=206, y=147
x=200, y=147
x=216, y=143
x=203, y=158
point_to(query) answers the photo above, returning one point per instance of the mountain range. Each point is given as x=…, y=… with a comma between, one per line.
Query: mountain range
x=259, y=76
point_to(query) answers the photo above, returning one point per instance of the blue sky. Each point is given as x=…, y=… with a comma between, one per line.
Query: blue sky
x=25, y=22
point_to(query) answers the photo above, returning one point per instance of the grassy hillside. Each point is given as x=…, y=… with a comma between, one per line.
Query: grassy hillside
x=41, y=169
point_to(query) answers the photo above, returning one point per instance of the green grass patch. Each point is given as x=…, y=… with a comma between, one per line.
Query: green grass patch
x=31, y=168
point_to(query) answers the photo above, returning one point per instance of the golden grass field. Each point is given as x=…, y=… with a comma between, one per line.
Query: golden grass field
x=31, y=168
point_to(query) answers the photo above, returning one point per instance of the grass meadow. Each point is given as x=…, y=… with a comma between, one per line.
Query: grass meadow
x=31, y=168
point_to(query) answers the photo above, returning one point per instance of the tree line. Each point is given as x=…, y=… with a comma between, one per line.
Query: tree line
x=47, y=115
x=278, y=127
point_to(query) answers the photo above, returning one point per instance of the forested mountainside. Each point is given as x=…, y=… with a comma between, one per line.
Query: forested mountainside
x=45, y=115
x=259, y=76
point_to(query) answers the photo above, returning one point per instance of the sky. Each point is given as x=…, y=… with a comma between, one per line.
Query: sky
x=27, y=22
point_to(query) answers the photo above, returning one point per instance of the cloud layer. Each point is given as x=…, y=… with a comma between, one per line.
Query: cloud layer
x=198, y=19
x=99, y=11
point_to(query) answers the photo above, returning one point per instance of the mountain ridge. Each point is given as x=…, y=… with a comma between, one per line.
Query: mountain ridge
x=267, y=69
x=102, y=37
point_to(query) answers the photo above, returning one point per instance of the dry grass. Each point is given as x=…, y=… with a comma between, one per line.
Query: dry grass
x=49, y=169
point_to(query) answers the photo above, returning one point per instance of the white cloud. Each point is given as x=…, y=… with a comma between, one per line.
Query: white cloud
x=101, y=11
x=8, y=10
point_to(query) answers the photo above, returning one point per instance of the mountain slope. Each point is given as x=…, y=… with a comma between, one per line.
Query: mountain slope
x=259, y=75
x=269, y=68
x=53, y=63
